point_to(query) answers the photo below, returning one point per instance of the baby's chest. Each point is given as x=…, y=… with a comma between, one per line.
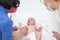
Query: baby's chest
x=31, y=28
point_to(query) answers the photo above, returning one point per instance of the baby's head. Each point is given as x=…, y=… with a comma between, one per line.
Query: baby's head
x=31, y=21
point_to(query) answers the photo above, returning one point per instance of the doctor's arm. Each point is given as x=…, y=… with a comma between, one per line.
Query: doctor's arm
x=22, y=32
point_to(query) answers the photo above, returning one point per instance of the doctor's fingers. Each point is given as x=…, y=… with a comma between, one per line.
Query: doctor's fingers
x=23, y=30
x=56, y=35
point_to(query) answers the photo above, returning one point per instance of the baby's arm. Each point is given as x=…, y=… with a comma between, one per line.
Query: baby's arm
x=39, y=28
x=38, y=33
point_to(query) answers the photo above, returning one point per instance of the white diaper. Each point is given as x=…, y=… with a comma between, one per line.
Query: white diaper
x=31, y=36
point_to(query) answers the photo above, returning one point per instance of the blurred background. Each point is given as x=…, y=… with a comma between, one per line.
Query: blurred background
x=37, y=10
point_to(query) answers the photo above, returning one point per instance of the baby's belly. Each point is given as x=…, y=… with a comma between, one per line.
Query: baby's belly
x=30, y=31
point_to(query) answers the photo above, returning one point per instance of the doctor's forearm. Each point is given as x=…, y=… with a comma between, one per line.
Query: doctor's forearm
x=19, y=35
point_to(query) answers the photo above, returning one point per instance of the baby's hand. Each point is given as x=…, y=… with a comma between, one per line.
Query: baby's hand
x=39, y=28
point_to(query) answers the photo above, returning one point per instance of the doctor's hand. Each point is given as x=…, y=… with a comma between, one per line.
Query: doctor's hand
x=15, y=28
x=56, y=35
x=21, y=33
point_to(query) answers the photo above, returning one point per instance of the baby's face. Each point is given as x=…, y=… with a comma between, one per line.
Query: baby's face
x=31, y=21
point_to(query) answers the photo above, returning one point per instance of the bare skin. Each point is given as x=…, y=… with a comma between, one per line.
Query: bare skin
x=20, y=34
x=31, y=21
x=54, y=4
x=56, y=35
x=39, y=34
x=25, y=29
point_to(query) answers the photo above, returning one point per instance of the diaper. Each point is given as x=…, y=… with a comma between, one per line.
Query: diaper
x=31, y=36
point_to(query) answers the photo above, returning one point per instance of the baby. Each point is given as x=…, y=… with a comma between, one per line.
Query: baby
x=31, y=29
